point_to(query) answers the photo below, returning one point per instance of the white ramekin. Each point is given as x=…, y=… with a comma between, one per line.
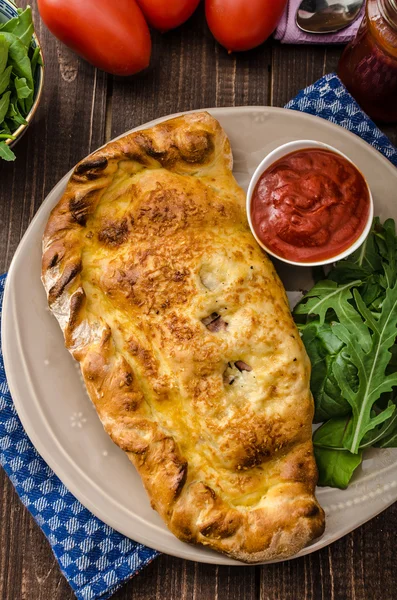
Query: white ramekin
x=274, y=156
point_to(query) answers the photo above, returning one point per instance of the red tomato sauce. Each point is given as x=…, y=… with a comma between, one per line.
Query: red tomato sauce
x=310, y=205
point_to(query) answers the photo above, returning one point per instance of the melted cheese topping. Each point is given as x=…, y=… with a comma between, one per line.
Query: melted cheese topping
x=164, y=254
x=182, y=328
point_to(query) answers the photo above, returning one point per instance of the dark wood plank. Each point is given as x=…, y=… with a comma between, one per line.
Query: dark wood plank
x=355, y=567
x=189, y=71
x=172, y=578
x=28, y=568
x=295, y=67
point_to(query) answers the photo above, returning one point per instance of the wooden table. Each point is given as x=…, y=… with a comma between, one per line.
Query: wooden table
x=81, y=109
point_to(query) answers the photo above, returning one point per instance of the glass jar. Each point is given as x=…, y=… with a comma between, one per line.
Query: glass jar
x=368, y=66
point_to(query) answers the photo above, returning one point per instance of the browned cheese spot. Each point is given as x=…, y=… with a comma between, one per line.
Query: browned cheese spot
x=114, y=233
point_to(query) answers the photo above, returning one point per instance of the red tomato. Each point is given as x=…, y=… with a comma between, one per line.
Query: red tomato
x=167, y=14
x=111, y=34
x=243, y=24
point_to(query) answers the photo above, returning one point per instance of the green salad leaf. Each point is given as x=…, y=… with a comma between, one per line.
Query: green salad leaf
x=389, y=441
x=21, y=26
x=383, y=435
x=4, y=104
x=324, y=348
x=5, y=152
x=371, y=366
x=3, y=54
x=327, y=295
x=18, y=57
x=35, y=60
x=14, y=115
x=18, y=67
x=24, y=94
x=348, y=324
x=336, y=465
x=5, y=79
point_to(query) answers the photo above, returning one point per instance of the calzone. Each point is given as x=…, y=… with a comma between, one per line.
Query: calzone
x=185, y=339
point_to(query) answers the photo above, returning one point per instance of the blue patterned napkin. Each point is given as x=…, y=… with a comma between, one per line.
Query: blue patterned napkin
x=328, y=98
x=95, y=559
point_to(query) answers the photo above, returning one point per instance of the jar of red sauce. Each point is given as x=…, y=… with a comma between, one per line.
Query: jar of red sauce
x=368, y=66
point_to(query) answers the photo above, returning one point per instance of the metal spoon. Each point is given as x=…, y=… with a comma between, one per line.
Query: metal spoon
x=327, y=16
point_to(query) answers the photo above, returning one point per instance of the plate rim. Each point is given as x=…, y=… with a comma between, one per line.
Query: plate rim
x=46, y=206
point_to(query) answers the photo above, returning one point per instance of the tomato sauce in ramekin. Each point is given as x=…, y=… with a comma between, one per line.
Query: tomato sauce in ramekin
x=310, y=205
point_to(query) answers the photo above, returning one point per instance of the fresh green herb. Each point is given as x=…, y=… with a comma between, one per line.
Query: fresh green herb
x=5, y=79
x=326, y=349
x=336, y=465
x=371, y=365
x=3, y=54
x=18, y=66
x=4, y=104
x=5, y=152
x=18, y=57
x=348, y=324
x=24, y=94
x=36, y=60
x=21, y=26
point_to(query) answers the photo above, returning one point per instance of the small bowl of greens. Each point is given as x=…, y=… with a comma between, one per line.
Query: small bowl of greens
x=21, y=75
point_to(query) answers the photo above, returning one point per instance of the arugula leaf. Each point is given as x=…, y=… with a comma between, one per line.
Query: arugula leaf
x=372, y=289
x=324, y=348
x=387, y=244
x=365, y=261
x=336, y=465
x=382, y=434
x=348, y=324
x=3, y=54
x=6, y=153
x=332, y=433
x=346, y=271
x=389, y=441
x=367, y=256
x=371, y=366
x=326, y=295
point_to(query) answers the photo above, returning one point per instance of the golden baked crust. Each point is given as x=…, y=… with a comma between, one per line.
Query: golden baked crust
x=185, y=339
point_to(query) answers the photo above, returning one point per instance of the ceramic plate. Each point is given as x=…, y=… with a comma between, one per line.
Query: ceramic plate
x=50, y=397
